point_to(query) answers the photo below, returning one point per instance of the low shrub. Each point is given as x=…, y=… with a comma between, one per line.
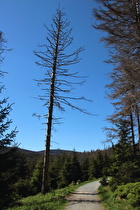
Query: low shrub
x=104, y=181
x=131, y=192
x=113, y=184
x=22, y=187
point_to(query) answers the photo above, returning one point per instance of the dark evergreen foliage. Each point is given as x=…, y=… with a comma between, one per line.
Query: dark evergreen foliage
x=75, y=168
x=36, y=178
x=85, y=168
x=13, y=169
x=99, y=164
x=93, y=168
x=67, y=168
x=6, y=137
x=54, y=174
x=125, y=163
x=107, y=163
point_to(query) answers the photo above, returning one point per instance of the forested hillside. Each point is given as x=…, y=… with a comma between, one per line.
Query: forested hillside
x=24, y=175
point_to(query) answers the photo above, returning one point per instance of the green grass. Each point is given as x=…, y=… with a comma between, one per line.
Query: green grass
x=54, y=200
x=110, y=203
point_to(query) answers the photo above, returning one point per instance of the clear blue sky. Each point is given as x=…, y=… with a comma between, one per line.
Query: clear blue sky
x=22, y=24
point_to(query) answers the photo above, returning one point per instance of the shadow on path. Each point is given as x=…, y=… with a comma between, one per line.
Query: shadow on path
x=84, y=201
x=78, y=193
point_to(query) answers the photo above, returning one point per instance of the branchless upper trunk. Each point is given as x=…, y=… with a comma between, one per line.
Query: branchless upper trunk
x=45, y=180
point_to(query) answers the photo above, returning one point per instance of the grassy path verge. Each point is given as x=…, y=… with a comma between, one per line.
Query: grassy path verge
x=54, y=200
x=110, y=203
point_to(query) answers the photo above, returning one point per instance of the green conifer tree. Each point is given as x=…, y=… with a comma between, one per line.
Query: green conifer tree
x=93, y=168
x=75, y=168
x=99, y=164
x=125, y=165
x=65, y=177
x=85, y=169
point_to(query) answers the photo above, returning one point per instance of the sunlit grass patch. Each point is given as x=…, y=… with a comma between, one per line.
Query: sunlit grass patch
x=50, y=201
x=54, y=200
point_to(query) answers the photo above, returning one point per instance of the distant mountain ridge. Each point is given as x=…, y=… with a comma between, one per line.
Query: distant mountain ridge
x=36, y=155
x=52, y=152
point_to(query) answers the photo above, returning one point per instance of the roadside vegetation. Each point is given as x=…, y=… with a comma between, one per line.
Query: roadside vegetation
x=20, y=178
x=54, y=200
x=51, y=201
x=125, y=196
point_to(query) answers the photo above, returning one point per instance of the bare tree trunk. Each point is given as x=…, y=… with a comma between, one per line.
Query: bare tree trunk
x=138, y=121
x=132, y=130
x=137, y=108
x=45, y=179
x=56, y=60
x=137, y=11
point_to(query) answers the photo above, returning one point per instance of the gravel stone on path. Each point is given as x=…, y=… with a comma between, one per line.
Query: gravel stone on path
x=85, y=198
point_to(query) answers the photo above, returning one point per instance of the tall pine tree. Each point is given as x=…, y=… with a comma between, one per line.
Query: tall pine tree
x=6, y=136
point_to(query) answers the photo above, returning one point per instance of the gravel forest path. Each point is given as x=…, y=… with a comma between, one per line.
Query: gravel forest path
x=85, y=198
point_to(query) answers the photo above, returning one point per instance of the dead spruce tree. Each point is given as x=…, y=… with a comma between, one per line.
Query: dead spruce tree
x=58, y=81
x=121, y=22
